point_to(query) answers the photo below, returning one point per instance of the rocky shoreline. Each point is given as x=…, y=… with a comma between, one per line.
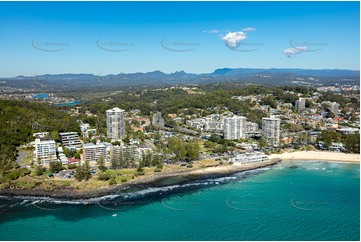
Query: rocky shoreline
x=157, y=180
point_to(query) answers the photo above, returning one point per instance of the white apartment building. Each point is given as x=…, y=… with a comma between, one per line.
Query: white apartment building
x=271, y=130
x=45, y=150
x=234, y=127
x=115, y=123
x=250, y=158
x=133, y=151
x=70, y=139
x=300, y=104
x=92, y=152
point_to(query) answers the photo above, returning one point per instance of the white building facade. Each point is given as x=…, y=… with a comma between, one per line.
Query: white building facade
x=250, y=158
x=70, y=139
x=92, y=152
x=115, y=123
x=271, y=130
x=234, y=127
x=300, y=104
x=45, y=151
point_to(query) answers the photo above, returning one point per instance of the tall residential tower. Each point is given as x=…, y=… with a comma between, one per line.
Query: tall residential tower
x=234, y=127
x=271, y=130
x=115, y=123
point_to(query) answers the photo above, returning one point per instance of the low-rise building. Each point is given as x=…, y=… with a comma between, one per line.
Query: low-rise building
x=251, y=157
x=70, y=139
x=93, y=152
x=45, y=150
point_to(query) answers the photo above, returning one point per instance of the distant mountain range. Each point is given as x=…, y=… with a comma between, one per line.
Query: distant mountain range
x=274, y=76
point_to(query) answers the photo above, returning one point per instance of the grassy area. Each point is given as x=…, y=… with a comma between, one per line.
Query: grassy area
x=201, y=146
x=119, y=176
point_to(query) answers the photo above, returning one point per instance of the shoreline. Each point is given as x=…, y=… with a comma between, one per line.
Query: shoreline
x=326, y=156
x=163, y=179
x=154, y=180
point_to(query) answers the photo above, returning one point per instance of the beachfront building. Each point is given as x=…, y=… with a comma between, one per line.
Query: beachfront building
x=128, y=152
x=252, y=129
x=115, y=123
x=271, y=130
x=93, y=152
x=70, y=140
x=234, y=127
x=45, y=150
x=300, y=104
x=248, y=158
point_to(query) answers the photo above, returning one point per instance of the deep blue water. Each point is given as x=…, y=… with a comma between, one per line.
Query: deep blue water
x=290, y=201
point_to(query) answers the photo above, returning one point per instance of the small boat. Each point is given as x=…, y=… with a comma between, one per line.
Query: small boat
x=114, y=215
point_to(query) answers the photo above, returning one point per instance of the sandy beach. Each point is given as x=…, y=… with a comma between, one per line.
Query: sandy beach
x=319, y=156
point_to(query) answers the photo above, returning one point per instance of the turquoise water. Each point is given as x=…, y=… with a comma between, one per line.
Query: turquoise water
x=73, y=103
x=290, y=201
x=41, y=95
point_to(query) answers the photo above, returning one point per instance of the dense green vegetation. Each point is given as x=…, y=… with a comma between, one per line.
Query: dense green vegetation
x=19, y=120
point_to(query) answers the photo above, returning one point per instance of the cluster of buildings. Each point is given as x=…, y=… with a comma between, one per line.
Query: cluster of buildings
x=237, y=127
x=46, y=150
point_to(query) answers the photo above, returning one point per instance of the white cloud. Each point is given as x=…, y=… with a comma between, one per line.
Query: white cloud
x=249, y=29
x=292, y=52
x=232, y=39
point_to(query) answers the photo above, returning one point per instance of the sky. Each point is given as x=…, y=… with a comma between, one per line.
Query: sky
x=197, y=37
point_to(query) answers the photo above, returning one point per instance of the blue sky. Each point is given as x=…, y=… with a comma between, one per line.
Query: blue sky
x=197, y=37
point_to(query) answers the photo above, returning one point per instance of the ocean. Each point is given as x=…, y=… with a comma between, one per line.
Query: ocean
x=288, y=201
